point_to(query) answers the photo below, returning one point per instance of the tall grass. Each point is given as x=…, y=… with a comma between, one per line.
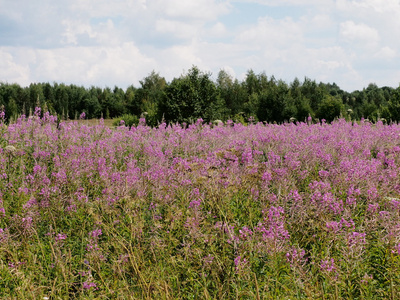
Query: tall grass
x=294, y=211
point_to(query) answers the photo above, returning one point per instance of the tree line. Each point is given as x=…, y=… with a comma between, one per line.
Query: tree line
x=196, y=95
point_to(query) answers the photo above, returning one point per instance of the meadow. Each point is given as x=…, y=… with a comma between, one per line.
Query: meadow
x=195, y=211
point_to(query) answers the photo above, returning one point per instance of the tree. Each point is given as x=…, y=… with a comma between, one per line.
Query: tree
x=313, y=92
x=148, y=96
x=329, y=108
x=132, y=106
x=36, y=95
x=112, y=102
x=12, y=110
x=251, y=83
x=61, y=101
x=303, y=108
x=272, y=103
x=190, y=97
x=12, y=97
x=226, y=92
x=93, y=108
x=394, y=105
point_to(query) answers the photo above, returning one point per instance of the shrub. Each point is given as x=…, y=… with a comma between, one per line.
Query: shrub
x=126, y=120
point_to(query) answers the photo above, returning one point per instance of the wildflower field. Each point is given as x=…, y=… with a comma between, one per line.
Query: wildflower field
x=292, y=211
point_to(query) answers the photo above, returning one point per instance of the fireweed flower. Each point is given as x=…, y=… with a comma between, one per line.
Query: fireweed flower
x=208, y=259
x=126, y=160
x=356, y=239
x=245, y=233
x=373, y=208
x=195, y=204
x=240, y=263
x=294, y=194
x=60, y=237
x=13, y=265
x=328, y=266
x=396, y=249
x=3, y=235
x=274, y=236
x=366, y=279
x=334, y=226
x=88, y=285
x=347, y=224
x=296, y=257
x=395, y=202
x=96, y=233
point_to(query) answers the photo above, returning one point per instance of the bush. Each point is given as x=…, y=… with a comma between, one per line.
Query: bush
x=127, y=120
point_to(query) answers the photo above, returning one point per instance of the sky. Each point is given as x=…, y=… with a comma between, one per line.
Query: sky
x=119, y=42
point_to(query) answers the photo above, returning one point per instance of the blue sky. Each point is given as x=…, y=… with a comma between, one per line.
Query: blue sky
x=119, y=42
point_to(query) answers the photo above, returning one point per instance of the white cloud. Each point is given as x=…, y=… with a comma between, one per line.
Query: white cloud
x=80, y=65
x=177, y=29
x=119, y=42
x=11, y=71
x=73, y=28
x=386, y=53
x=378, y=6
x=316, y=22
x=230, y=71
x=291, y=2
x=204, y=10
x=273, y=33
x=359, y=33
x=105, y=8
x=179, y=59
x=217, y=30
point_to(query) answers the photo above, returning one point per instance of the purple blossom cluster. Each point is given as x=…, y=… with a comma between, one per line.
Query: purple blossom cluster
x=263, y=190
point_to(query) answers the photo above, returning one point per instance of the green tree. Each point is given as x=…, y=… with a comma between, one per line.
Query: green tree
x=237, y=96
x=92, y=106
x=190, y=97
x=394, y=105
x=303, y=108
x=272, y=103
x=12, y=110
x=226, y=94
x=36, y=95
x=12, y=97
x=375, y=95
x=289, y=109
x=369, y=110
x=61, y=101
x=132, y=105
x=148, y=97
x=330, y=108
x=250, y=107
x=313, y=92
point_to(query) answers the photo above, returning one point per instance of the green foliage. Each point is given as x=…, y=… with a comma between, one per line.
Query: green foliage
x=92, y=107
x=190, y=97
x=12, y=109
x=126, y=120
x=147, y=98
x=272, y=102
x=232, y=93
x=194, y=95
x=177, y=226
x=330, y=108
x=394, y=105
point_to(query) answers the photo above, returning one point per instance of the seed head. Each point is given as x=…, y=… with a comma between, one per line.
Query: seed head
x=10, y=149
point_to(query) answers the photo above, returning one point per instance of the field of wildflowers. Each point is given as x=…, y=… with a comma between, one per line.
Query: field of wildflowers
x=293, y=211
